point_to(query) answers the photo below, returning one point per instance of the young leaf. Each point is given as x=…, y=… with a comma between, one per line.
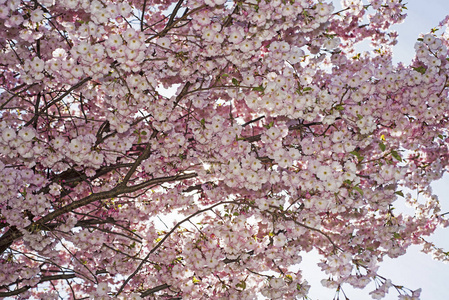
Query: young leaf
x=396, y=155
x=358, y=190
x=400, y=193
x=241, y=284
x=259, y=88
x=421, y=69
x=339, y=107
x=397, y=236
x=357, y=154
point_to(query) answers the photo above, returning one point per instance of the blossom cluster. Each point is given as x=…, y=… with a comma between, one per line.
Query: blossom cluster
x=196, y=149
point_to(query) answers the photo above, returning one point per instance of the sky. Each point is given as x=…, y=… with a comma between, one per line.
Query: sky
x=414, y=269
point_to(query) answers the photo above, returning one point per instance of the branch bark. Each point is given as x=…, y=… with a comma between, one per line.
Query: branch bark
x=13, y=233
x=43, y=279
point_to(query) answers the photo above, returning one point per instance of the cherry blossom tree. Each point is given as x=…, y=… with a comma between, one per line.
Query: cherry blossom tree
x=276, y=137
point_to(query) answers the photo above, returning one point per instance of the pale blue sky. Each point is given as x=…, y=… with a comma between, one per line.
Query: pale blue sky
x=414, y=269
x=422, y=15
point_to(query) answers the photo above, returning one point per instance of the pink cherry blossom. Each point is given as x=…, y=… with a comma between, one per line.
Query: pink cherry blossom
x=195, y=149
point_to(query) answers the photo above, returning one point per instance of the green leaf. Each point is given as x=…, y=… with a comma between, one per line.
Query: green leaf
x=339, y=107
x=382, y=146
x=241, y=284
x=235, y=81
x=400, y=193
x=358, y=190
x=420, y=39
x=397, y=236
x=259, y=88
x=396, y=155
x=357, y=154
x=421, y=69
x=203, y=121
x=306, y=89
x=268, y=126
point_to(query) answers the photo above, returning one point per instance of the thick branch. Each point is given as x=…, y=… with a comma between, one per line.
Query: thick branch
x=154, y=290
x=8, y=238
x=183, y=92
x=174, y=13
x=43, y=279
x=145, y=154
x=143, y=15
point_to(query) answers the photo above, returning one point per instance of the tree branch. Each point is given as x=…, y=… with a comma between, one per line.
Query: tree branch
x=72, y=88
x=163, y=240
x=154, y=290
x=12, y=234
x=43, y=279
x=174, y=13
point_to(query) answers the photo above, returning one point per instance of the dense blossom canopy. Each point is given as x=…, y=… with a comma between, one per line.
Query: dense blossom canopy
x=252, y=129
